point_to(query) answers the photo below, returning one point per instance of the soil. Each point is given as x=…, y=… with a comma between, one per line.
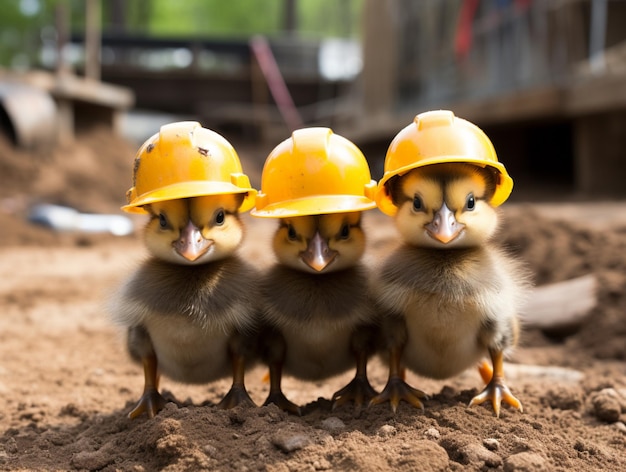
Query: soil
x=67, y=384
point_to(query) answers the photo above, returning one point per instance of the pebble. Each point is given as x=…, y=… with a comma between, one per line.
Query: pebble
x=91, y=460
x=11, y=446
x=291, y=442
x=606, y=405
x=491, y=443
x=332, y=423
x=525, y=462
x=477, y=454
x=432, y=433
x=210, y=450
x=387, y=430
x=322, y=464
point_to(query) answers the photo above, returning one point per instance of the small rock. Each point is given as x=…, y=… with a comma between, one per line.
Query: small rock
x=91, y=460
x=170, y=406
x=322, y=464
x=290, y=442
x=477, y=454
x=491, y=443
x=606, y=405
x=432, y=433
x=210, y=450
x=387, y=430
x=11, y=446
x=333, y=423
x=237, y=416
x=620, y=427
x=525, y=462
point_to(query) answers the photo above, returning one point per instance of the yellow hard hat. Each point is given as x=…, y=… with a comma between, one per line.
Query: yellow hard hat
x=436, y=137
x=185, y=160
x=314, y=172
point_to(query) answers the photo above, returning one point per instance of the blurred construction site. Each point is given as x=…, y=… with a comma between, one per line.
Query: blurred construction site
x=546, y=80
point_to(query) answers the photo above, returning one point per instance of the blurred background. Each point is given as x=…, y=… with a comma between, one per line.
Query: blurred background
x=545, y=79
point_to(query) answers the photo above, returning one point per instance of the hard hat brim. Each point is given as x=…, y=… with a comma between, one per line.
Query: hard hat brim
x=188, y=190
x=319, y=205
x=503, y=188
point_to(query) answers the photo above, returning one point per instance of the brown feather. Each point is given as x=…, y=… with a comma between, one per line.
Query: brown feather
x=298, y=298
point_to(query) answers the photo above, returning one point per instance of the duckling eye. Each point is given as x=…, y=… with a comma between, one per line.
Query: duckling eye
x=219, y=217
x=417, y=204
x=345, y=231
x=470, y=203
x=291, y=233
x=163, y=221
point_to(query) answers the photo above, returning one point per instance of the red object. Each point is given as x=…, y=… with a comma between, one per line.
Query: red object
x=463, y=40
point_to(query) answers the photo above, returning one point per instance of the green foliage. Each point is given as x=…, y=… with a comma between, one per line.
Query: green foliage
x=26, y=24
x=334, y=18
x=242, y=18
x=215, y=17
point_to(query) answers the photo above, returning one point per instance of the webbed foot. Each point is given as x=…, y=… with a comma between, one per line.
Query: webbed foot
x=396, y=390
x=236, y=396
x=151, y=402
x=358, y=390
x=497, y=392
x=279, y=399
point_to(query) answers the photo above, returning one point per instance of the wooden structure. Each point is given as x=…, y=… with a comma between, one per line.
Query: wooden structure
x=53, y=106
x=219, y=81
x=545, y=80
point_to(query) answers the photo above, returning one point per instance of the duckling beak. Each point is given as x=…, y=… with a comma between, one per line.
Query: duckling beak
x=191, y=244
x=444, y=227
x=317, y=254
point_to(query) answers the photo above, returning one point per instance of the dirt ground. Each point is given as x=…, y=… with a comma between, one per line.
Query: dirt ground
x=66, y=382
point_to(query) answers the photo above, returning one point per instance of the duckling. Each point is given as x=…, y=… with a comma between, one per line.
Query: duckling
x=449, y=295
x=189, y=309
x=318, y=310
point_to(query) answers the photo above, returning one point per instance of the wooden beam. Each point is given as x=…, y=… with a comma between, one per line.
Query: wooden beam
x=561, y=305
x=92, y=39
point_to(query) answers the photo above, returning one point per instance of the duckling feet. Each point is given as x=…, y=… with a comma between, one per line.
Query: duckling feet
x=497, y=392
x=358, y=390
x=396, y=390
x=236, y=396
x=151, y=402
x=280, y=400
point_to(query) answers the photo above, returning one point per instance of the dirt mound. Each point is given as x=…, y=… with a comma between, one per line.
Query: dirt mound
x=92, y=174
x=561, y=250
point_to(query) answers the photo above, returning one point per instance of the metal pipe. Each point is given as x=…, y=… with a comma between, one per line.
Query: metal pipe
x=597, y=36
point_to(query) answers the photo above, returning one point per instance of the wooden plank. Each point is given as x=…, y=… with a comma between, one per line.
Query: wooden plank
x=561, y=305
x=529, y=104
x=72, y=87
x=595, y=95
